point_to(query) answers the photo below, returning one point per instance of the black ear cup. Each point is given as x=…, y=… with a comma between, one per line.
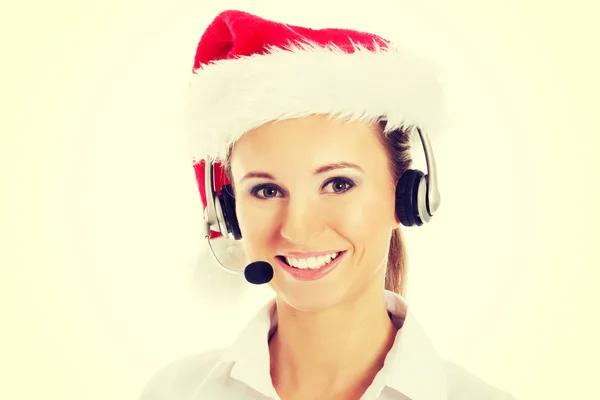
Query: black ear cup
x=407, y=209
x=228, y=206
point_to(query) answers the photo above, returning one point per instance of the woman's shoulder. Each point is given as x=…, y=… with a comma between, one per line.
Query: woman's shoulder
x=464, y=385
x=179, y=377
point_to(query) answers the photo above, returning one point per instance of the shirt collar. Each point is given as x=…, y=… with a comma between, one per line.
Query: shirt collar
x=250, y=351
x=412, y=366
x=416, y=369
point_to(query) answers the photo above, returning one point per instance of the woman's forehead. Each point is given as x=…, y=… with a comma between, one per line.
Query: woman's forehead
x=307, y=133
x=307, y=142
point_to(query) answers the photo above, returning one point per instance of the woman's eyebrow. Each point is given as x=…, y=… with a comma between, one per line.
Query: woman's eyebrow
x=321, y=170
x=337, y=165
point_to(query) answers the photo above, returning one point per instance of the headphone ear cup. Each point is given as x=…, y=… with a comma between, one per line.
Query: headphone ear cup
x=228, y=205
x=407, y=190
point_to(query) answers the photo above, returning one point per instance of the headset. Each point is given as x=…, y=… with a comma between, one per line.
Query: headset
x=417, y=197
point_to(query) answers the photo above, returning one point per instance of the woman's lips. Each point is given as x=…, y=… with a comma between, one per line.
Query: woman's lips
x=308, y=274
x=310, y=254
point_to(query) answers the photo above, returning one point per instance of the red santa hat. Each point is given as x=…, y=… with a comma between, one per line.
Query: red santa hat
x=249, y=71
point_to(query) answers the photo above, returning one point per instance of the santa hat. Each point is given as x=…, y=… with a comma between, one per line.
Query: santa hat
x=249, y=71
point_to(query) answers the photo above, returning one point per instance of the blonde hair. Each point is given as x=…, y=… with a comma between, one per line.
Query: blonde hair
x=397, y=146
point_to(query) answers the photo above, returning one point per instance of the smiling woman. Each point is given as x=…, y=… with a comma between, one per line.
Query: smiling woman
x=315, y=182
x=312, y=176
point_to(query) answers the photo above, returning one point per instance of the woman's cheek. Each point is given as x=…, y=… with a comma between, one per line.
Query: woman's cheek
x=364, y=223
x=257, y=224
x=350, y=218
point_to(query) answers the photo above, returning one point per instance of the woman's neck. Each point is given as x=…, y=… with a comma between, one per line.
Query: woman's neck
x=328, y=351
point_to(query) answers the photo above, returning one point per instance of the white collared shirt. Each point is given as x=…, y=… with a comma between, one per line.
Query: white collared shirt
x=412, y=368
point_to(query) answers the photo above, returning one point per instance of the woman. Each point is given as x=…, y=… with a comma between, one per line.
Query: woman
x=312, y=130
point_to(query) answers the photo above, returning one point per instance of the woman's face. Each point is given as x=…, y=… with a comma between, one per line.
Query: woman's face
x=315, y=185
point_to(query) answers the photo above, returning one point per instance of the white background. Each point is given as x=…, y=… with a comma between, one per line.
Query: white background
x=100, y=213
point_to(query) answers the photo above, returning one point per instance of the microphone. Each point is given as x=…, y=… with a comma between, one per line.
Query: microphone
x=258, y=272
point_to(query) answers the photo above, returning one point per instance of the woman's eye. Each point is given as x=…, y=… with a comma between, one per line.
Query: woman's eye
x=340, y=185
x=265, y=192
x=337, y=185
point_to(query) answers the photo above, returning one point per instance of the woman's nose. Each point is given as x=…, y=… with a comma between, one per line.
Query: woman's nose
x=301, y=221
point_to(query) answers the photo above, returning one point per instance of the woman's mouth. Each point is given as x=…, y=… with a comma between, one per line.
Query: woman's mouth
x=310, y=262
x=310, y=268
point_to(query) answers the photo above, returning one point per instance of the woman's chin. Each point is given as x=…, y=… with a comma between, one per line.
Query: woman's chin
x=312, y=299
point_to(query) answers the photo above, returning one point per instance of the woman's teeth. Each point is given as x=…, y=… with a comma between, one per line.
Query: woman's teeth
x=311, y=262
